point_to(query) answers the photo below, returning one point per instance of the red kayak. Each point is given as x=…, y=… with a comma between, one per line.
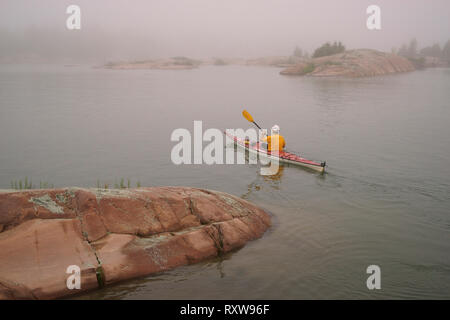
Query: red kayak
x=282, y=156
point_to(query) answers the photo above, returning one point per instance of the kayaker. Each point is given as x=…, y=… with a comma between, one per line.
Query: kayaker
x=274, y=142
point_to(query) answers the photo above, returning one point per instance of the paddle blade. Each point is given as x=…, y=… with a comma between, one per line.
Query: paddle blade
x=247, y=116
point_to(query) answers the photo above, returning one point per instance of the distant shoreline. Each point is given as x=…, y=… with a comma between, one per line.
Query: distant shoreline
x=351, y=63
x=184, y=63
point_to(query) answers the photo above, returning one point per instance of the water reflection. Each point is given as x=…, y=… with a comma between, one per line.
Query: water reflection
x=273, y=181
x=272, y=174
x=221, y=269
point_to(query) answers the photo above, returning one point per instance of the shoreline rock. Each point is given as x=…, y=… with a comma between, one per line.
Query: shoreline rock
x=114, y=235
x=352, y=64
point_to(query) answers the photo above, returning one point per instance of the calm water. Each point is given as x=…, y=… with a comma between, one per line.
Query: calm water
x=385, y=199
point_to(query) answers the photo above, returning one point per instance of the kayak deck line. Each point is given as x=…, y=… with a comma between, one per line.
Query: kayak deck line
x=282, y=156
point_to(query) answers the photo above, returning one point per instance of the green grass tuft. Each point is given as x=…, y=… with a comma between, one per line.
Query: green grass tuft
x=309, y=68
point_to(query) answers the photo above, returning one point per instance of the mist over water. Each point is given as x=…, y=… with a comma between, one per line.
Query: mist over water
x=124, y=30
x=383, y=201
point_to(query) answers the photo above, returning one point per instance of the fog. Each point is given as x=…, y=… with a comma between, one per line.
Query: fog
x=139, y=29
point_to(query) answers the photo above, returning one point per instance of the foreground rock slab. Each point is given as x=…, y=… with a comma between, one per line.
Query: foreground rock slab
x=113, y=235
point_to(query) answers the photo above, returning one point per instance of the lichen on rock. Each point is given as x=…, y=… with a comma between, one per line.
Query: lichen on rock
x=47, y=202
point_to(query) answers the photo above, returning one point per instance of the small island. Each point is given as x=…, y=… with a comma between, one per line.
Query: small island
x=351, y=63
x=175, y=63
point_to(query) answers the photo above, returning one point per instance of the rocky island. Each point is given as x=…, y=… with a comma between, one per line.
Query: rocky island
x=351, y=63
x=113, y=235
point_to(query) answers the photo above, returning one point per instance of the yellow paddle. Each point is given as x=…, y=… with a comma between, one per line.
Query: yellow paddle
x=249, y=117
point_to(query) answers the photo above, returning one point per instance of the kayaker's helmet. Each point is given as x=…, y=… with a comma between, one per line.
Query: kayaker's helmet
x=275, y=129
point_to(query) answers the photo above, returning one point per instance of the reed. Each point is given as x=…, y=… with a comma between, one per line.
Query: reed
x=25, y=184
x=121, y=184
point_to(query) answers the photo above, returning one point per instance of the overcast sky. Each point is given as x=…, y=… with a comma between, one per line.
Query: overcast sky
x=137, y=29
